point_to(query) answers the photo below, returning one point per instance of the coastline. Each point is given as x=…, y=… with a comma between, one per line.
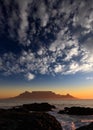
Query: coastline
x=66, y=121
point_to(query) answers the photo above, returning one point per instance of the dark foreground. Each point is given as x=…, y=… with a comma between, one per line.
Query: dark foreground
x=34, y=117
x=77, y=111
x=28, y=121
x=22, y=118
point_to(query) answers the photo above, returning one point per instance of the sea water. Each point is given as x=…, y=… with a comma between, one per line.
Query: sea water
x=68, y=122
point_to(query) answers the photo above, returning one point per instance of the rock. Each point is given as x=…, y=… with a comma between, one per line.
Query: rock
x=77, y=111
x=87, y=127
x=10, y=120
x=34, y=107
x=38, y=107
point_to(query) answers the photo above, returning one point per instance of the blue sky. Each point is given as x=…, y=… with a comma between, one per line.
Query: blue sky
x=46, y=43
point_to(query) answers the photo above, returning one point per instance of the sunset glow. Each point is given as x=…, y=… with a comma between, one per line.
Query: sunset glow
x=80, y=93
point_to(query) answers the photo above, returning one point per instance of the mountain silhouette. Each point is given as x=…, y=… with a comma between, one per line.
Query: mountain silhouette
x=43, y=95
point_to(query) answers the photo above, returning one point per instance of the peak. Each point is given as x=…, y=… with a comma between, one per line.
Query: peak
x=26, y=92
x=68, y=94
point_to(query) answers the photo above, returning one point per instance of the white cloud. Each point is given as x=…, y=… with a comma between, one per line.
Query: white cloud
x=84, y=15
x=59, y=43
x=86, y=67
x=74, y=66
x=71, y=52
x=40, y=52
x=89, y=78
x=30, y=76
x=58, y=68
x=24, y=21
x=44, y=69
x=42, y=13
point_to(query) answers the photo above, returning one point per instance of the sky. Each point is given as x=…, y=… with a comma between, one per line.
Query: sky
x=46, y=45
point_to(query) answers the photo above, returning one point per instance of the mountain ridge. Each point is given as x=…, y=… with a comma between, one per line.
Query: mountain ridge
x=43, y=95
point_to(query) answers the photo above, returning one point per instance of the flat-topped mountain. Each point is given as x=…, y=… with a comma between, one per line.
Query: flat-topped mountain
x=42, y=95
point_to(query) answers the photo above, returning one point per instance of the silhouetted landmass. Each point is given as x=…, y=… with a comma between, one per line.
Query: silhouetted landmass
x=77, y=111
x=87, y=127
x=33, y=107
x=43, y=95
x=15, y=119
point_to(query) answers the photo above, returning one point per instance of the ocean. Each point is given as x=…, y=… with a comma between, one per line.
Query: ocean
x=68, y=122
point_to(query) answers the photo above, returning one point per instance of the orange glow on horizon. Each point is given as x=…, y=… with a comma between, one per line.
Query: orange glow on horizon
x=7, y=93
x=81, y=93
